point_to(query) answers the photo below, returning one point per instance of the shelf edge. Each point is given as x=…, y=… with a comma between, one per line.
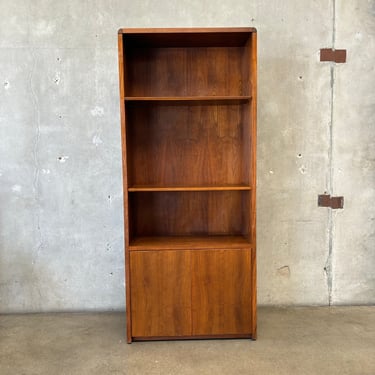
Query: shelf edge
x=189, y=188
x=186, y=98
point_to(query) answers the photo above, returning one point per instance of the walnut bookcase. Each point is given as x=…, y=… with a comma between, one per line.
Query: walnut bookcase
x=188, y=120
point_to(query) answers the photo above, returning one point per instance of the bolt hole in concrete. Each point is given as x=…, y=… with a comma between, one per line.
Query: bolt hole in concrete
x=63, y=159
x=300, y=78
x=284, y=271
x=299, y=155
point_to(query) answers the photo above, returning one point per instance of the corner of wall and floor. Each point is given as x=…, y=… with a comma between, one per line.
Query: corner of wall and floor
x=61, y=227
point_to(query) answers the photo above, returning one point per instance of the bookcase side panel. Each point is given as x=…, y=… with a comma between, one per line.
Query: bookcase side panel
x=122, y=84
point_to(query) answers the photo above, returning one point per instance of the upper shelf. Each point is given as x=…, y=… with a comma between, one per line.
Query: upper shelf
x=214, y=99
x=144, y=188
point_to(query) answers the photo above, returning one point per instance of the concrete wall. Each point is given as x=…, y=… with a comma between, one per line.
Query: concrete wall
x=61, y=227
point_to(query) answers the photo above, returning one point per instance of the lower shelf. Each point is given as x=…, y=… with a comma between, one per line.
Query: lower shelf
x=188, y=242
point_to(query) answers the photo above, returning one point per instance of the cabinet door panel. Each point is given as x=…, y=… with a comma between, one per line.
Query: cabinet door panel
x=221, y=292
x=160, y=293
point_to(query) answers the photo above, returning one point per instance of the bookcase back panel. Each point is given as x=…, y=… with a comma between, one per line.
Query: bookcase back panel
x=188, y=213
x=188, y=144
x=211, y=71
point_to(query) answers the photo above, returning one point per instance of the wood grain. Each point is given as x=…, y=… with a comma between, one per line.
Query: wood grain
x=195, y=337
x=143, y=188
x=221, y=292
x=188, y=242
x=168, y=140
x=215, y=99
x=160, y=293
x=187, y=213
x=253, y=74
x=187, y=30
x=212, y=71
x=187, y=37
x=122, y=69
x=188, y=128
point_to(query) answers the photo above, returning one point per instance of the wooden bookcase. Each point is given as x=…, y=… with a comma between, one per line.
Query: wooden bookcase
x=188, y=120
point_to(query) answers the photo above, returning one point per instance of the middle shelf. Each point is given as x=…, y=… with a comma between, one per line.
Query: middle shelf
x=197, y=99
x=188, y=145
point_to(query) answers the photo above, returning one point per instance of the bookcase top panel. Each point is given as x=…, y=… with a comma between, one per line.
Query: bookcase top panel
x=187, y=37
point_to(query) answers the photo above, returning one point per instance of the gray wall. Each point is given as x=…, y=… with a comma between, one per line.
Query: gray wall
x=61, y=227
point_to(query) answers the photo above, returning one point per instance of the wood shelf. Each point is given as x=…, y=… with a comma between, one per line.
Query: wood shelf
x=206, y=99
x=186, y=37
x=188, y=242
x=144, y=188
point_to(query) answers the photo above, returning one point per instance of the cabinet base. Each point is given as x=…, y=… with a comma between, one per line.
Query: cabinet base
x=198, y=337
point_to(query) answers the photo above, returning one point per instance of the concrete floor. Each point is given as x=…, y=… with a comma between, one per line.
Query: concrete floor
x=339, y=340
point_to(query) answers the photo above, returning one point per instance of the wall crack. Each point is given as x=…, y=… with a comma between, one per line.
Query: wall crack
x=328, y=263
x=36, y=145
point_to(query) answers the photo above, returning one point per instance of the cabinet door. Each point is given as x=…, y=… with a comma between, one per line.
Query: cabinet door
x=160, y=283
x=221, y=292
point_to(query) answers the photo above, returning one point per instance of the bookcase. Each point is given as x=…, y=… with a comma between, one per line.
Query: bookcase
x=188, y=121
